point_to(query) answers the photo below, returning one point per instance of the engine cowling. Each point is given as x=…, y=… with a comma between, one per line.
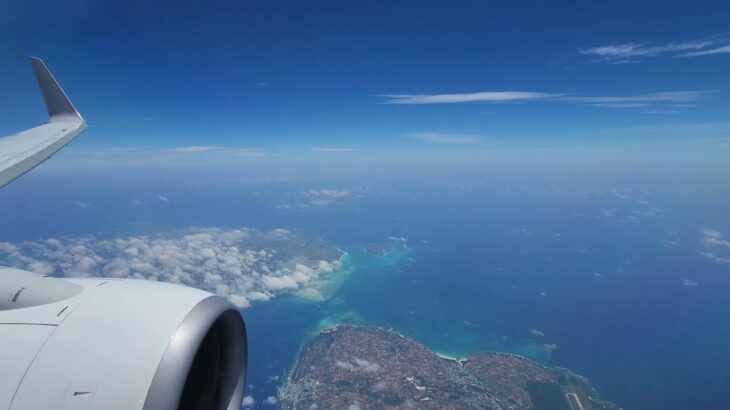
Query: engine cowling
x=117, y=344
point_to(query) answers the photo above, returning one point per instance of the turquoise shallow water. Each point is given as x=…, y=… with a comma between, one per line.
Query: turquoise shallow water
x=396, y=292
x=611, y=307
x=279, y=328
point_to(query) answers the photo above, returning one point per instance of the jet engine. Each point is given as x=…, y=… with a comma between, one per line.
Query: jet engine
x=106, y=343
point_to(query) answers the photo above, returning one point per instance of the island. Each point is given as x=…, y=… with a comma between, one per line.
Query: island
x=364, y=367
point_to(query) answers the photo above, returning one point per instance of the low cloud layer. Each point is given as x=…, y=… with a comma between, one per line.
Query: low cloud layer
x=358, y=364
x=194, y=149
x=714, y=246
x=440, y=138
x=332, y=149
x=243, y=265
x=314, y=198
x=323, y=197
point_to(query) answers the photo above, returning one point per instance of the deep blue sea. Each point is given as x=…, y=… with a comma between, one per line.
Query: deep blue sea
x=605, y=260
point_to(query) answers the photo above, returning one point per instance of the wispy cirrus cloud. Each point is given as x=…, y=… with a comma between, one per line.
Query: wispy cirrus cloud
x=481, y=96
x=625, y=101
x=634, y=52
x=643, y=100
x=440, y=138
x=717, y=50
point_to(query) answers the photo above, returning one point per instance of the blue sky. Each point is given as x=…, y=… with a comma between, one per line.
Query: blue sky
x=261, y=80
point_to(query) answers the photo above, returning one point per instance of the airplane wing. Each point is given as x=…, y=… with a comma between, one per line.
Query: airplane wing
x=112, y=343
x=21, y=152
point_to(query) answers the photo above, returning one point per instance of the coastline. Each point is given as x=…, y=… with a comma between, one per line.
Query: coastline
x=565, y=378
x=326, y=284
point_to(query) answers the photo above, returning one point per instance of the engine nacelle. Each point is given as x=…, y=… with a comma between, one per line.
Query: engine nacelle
x=117, y=344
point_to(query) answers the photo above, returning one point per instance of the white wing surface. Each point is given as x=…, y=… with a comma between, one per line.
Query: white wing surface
x=21, y=152
x=112, y=343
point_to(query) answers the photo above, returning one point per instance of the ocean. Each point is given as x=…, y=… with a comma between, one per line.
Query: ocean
x=612, y=277
x=600, y=272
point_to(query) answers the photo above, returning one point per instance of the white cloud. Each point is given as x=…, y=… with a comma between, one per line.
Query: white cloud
x=367, y=366
x=279, y=283
x=331, y=193
x=718, y=242
x=270, y=401
x=248, y=401
x=439, y=138
x=643, y=100
x=40, y=267
x=632, y=52
x=81, y=204
x=689, y=283
x=715, y=247
x=358, y=364
x=654, y=112
x=718, y=50
x=484, y=96
x=344, y=365
x=621, y=105
x=618, y=51
x=163, y=198
x=321, y=202
x=715, y=258
x=523, y=231
x=667, y=98
x=196, y=148
x=332, y=149
x=243, y=265
x=710, y=233
x=623, y=52
x=323, y=197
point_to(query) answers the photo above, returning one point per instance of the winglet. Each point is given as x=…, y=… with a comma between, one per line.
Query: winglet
x=60, y=108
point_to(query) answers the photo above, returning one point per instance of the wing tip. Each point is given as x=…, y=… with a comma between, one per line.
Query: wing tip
x=59, y=106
